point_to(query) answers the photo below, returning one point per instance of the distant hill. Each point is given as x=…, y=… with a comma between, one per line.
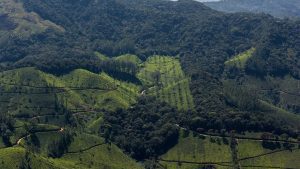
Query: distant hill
x=277, y=8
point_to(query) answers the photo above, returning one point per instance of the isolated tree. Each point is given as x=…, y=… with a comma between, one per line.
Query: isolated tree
x=156, y=76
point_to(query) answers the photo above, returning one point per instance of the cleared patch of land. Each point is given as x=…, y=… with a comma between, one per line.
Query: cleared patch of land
x=194, y=148
x=165, y=79
x=283, y=159
x=30, y=93
x=240, y=59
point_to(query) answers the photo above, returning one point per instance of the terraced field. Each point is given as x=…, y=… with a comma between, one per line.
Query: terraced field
x=41, y=95
x=165, y=79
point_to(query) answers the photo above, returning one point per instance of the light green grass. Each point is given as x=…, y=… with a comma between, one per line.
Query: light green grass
x=284, y=159
x=129, y=58
x=10, y=158
x=101, y=56
x=99, y=157
x=196, y=149
x=241, y=59
x=172, y=85
x=94, y=125
x=114, y=94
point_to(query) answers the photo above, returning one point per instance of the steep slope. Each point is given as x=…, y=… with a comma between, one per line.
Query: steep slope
x=29, y=93
x=93, y=155
x=16, y=21
x=165, y=79
x=277, y=8
x=199, y=151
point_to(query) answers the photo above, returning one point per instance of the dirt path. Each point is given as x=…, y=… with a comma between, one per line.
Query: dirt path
x=27, y=135
x=85, y=149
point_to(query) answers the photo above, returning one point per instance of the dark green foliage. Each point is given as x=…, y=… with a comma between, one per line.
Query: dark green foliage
x=25, y=163
x=209, y=167
x=277, y=8
x=6, y=23
x=6, y=127
x=58, y=147
x=242, y=98
x=32, y=142
x=140, y=27
x=148, y=129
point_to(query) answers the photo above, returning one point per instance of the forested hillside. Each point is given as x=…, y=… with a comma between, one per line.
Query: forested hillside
x=134, y=83
x=277, y=8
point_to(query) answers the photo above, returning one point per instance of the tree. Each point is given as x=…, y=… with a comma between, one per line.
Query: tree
x=58, y=147
x=156, y=76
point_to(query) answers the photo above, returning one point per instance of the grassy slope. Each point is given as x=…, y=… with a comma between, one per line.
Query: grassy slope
x=115, y=94
x=99, y=157
x=240, y=59
x=285, y=116
x=173, y=85
x=284, y=159
x=11, y=158
x=129, y=58
x=287, y=89
x=102, y=156
x=118, y=94
x=284, y=90
x=26, y=23
x=101, y=56
x=197, y=150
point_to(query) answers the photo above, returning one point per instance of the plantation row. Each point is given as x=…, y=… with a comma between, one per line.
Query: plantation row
x=167, y=81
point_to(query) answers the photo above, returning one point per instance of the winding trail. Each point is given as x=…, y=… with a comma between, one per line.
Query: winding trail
x=268, y=153
x=85, y=149
x=143, y=93
x=45, y=131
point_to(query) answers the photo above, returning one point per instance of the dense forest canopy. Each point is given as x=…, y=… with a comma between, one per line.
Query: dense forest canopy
x=277, y=8
x=157, y=27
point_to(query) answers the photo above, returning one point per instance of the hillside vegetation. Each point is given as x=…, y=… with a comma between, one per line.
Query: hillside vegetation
x=217, y=152
x=103, y=83
x=29, y=89
x=166, y=80
x=241, y=59
x=17, y=21
x=277, y=8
